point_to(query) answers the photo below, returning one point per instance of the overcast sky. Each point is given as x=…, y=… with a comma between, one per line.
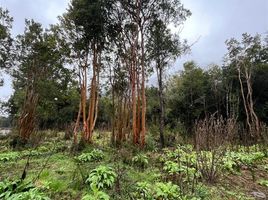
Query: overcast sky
x=211, y=23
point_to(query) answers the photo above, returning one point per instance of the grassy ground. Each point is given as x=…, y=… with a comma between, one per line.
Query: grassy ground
x=174, y=173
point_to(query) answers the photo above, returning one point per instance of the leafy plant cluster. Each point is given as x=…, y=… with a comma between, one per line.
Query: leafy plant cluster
x=94, y=155
x=32, y=153
x=163, y=191
x=233, y=161
x=17, y=190
x=96, y=195
x=160, y=190
x=182, y=161
x=263, y=182
x=100, y=178
x=183, y=157
x=140, y=160
x=13, y=155
x=10, y=156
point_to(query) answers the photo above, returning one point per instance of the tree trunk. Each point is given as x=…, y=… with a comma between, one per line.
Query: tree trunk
x=133, y=86
x=77, y=123
x=161, y=103
x=83, y=101
x=92, y=101
x=143, y=117
x=28, y=116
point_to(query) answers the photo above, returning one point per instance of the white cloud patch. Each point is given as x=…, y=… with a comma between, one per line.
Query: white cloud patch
x=54, y=9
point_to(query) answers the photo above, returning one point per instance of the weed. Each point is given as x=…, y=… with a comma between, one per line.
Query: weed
x=18, y=190
x=95, y=155
x=11, y=156
x=101, y=177
x=140, y=160
x=263, y=182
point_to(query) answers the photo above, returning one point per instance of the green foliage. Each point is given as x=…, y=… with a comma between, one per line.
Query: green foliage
x=166, y=191
x=172, y=167
x=31, y=153
x=234, y=160
x=53, y=83
x=143, y=190
x=10, y=156
x=96, y=194
x=140, y=160
x=101, y=177
x=160, y=190
x=94, y=155
x=5, y=40
x=263, y=182
x=32, y=194
x=186, y=94
x=181, y=163
x=17, y=190
x=184, y=154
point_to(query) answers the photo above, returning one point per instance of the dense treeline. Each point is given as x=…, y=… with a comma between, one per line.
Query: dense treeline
x=92, y=69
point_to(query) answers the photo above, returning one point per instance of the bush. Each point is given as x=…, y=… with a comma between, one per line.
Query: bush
x=96, y=195
x=160, y=190
x=95, y=155
x=140, y=160
x=101, y=177
x=166, y=191
x=17, y=190
x=232, y=161
x=210, y=164
x=11, y=156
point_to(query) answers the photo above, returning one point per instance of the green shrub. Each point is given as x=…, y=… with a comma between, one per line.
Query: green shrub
x=32, y=194
x=101, y=177
x=140, y=160
x=166, y=191
x=172, y=167
x=160, y=190
x=96, y=195
x=31, y=153
x=232, y=161
x=10, y=156
x=143, y=191
x=184, y=154
x=263, y=182
x=95, y=155
x=17, y=190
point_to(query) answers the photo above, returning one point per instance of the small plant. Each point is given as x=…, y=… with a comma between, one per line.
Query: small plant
x=96, y=195
x=232, y=161
x=143, y=191
x=11, y=156
x=95, y=155
x=31, y=153
x=101, y=177
x=84, y=157
x=32, y=194
x=160, y=190
x=263, y=182
x=141, y=160
x=172, y=167
x=17, y=190
x=166, y=191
